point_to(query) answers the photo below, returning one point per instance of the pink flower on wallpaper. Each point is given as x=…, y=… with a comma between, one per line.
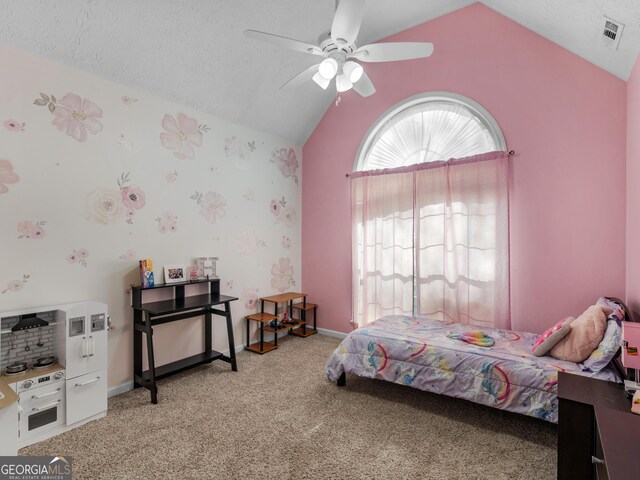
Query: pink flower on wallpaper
x=13, y=125
x=289, y=216
x=75, y=116
x=167, y=223
x=238, y=151
x=15, y=285
x=248, y=243
x=282, y=275
x=275, y=207
x=212, y=205
x=171, y=177
x=78, y=256
x=132, y=197
x=104, y=205
x=28, y=229
x=286, y=242
x=7, y=176
x=283, y=213
x=182, y=134
x=286, y=161
x=128, y=255
x=250, y=297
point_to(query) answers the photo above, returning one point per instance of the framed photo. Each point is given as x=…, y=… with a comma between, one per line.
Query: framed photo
x=175, y=274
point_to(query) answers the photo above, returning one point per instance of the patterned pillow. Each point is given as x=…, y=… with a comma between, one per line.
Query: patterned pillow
x=610, y=344
x=551, y=336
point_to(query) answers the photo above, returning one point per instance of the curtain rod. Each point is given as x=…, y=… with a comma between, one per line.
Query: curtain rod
x=510, y=153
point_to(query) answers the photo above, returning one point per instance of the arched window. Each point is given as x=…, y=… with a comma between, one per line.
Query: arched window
x=429, y=127
x=429, y=198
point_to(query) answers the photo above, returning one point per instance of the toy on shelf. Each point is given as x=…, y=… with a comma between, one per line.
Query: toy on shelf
x=287, y=320
x=275, y=324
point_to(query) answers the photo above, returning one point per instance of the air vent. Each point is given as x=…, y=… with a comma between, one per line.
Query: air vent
x=612, y=33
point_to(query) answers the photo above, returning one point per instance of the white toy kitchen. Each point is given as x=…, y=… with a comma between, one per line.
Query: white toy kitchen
x=54, y=359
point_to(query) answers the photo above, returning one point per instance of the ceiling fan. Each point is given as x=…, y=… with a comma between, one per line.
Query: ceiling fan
x=341, y=53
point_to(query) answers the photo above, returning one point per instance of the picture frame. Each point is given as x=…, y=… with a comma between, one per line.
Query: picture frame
x=175, y=274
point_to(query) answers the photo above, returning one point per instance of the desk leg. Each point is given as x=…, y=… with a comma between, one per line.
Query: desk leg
x=232, y=344
x=137, y=347
x=152, y=364
x=208, y=342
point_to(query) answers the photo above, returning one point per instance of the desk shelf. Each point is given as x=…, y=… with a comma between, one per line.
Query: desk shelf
x=146, y=315
x=183, y=364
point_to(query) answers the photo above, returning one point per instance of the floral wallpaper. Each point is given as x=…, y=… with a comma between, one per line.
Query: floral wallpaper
x=95, y=176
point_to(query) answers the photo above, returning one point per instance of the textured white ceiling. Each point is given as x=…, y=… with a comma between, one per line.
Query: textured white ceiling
x=577, y=25
x=194, y=52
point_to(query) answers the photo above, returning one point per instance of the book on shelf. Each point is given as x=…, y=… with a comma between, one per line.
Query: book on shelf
x=146, y=273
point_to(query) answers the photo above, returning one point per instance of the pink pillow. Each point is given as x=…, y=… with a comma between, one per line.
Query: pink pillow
x=585, y=334
x=551, y=336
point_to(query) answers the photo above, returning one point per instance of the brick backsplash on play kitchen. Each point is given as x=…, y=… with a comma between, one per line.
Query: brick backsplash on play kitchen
x=20, y=340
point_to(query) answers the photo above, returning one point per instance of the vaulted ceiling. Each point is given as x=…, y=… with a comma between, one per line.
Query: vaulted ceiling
x=194, y=52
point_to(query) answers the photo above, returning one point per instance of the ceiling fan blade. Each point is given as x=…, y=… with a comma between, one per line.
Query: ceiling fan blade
x=364, y=86
x=392, y=52
x=302, y=77
x=346, y=22
x=279, y=41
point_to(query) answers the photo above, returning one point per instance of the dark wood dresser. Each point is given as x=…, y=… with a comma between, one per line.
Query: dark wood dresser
x=598, y=436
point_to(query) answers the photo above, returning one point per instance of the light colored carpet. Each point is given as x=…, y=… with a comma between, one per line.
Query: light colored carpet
x=278, y=417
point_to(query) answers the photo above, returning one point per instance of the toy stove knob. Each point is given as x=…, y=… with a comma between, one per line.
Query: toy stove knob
x=27, y=384
x=58, y=375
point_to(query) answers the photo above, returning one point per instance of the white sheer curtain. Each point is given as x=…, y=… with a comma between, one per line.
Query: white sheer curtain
x=432, y=239
x=462, y=242
x=382, y=208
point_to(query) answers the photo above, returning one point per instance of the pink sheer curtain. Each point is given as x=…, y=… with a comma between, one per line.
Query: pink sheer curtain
x=433, y=239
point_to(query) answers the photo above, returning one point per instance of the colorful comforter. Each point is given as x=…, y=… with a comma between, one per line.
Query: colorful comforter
x=418, y=352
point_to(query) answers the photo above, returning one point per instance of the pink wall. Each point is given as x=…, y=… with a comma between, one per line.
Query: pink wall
x=564, y=117
x=633, y=189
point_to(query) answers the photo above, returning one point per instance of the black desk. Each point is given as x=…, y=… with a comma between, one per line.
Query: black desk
x=598, y=436
x=149, y=314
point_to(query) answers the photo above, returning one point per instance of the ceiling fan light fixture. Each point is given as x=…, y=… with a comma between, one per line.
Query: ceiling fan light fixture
x=328, y=68
x=321, y=81
x=353, y=71
x=343, y=83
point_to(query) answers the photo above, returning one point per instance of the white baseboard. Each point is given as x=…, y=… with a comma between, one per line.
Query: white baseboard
x=127, y=386
x=331, y=333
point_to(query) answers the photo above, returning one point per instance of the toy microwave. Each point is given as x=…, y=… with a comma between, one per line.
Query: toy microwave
x=631, y=345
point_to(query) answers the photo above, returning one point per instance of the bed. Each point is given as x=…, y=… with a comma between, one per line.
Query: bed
x=417, y=351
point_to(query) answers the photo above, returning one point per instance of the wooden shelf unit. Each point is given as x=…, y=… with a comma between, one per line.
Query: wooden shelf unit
x=299, y=329
x=303, y=308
